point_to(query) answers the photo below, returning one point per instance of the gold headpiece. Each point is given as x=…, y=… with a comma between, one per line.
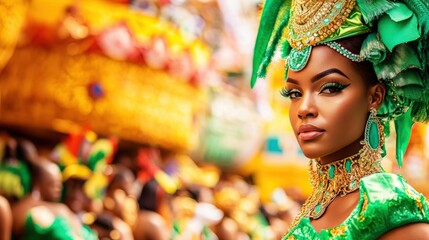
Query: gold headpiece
x=313, y=21
x=321, y=22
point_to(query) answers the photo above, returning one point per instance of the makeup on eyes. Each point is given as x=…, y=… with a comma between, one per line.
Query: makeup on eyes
x=288, y=93
x=332, y=86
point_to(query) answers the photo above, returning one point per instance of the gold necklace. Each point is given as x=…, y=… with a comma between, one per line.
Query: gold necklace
x=337, y=179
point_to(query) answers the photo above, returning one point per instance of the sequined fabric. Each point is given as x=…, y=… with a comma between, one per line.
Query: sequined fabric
x=386, y=202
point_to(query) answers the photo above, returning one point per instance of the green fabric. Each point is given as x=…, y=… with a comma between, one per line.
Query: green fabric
x=15, y=179
x=374, y=50
x=60, y=229
x=403, y=126
x=386, y=202
x=206, y=232
x=352, y=26
x=401, y=21
x=261, y=230
x=88, y=234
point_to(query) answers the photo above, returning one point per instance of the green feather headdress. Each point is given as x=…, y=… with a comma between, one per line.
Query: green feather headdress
x=397, y=45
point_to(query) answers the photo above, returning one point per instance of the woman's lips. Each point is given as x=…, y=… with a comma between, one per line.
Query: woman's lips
x=309, y=132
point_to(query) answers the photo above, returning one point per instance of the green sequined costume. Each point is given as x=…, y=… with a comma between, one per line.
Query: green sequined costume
x=60, y=229
x=386, y=202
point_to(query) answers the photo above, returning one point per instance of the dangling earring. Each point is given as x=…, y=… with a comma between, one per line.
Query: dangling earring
x=373, y=131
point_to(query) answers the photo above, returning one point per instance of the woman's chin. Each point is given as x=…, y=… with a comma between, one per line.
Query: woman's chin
x=311, y=152
x=311, y=155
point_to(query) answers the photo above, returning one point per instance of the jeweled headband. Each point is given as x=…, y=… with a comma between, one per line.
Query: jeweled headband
x=397, y=44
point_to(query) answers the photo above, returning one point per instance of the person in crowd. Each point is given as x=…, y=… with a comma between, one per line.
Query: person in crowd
x=5, y=210
x=82, y=158
x=194, y=214
x=150, y=226
x=240, y=203
x=5, y=219
x=49, y=185
x=119, y=204
x=32, y=216
x=352, y=67
x=154, y=217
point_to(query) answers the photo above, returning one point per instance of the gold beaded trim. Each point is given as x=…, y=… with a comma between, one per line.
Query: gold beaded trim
x=337, y=179
x=313, y=21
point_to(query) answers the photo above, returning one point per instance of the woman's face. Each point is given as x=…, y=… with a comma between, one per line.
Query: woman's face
x=330, y=103
x=51, y=183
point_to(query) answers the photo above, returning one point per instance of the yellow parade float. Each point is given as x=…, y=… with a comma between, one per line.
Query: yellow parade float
x=104, y=65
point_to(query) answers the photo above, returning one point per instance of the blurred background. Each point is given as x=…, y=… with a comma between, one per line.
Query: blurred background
x=145, y=109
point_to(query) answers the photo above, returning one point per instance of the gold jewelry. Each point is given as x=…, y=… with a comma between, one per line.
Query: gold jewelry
x=337, y=179
x=313, y=21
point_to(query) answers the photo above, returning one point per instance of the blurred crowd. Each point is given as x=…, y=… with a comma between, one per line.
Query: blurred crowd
x=89, y=188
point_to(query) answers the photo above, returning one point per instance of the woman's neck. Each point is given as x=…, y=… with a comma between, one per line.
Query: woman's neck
x=345, y=152
x=35, y=194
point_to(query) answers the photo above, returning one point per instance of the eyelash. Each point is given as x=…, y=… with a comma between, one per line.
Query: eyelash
x=336, y=86
x=287, y=93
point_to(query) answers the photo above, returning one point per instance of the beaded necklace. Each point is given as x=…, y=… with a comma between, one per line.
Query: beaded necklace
x=337, y=179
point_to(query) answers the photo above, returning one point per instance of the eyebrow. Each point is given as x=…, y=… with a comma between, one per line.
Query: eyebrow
x=320, y=75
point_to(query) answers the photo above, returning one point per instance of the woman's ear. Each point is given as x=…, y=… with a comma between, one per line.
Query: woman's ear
x=376, y=95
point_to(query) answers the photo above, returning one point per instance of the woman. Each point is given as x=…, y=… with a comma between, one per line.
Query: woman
x=36, y=218
x=346, y=71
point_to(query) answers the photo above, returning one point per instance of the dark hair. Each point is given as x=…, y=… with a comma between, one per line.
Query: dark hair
x=354, y=44
x=104, y=221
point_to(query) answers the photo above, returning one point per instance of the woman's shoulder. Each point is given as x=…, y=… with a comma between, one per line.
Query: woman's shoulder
x=381, y=187
x=41, y=221
x=5, y=209
x=41, y=216
x=388, y=192
x=388, y=202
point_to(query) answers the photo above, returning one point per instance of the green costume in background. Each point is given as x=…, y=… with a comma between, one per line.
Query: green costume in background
x=386, y=202
x=60, y=229
x=15, y=182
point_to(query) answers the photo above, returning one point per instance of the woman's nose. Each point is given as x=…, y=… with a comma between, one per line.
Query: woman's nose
x=307, y=107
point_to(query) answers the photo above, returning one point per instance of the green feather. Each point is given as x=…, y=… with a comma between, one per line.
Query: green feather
x=420, y=112
x=421, y=10
x=266, y=27
x=403, y=125
x=371, y=9
x=271, y=49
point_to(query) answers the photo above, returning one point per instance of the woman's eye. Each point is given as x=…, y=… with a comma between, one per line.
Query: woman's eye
x=333, y=87
x=290, y=93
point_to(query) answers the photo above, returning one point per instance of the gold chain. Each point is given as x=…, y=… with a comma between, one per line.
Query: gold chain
x=337, y=179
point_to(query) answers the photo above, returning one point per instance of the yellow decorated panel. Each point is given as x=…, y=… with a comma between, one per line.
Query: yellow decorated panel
x=41, y=87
